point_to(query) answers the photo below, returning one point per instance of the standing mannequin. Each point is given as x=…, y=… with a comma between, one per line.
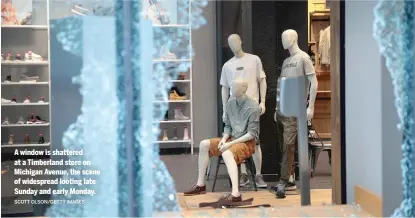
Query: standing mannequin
x=299, y=63
x=248, y=67
x=238, y=141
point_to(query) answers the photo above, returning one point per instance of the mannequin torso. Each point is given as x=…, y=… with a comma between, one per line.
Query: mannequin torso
x=248, y=67
x=299, y=63
x=245, y=66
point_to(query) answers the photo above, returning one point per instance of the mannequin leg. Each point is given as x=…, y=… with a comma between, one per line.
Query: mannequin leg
x=232, y=167
x=258, y=159
x=203, y=161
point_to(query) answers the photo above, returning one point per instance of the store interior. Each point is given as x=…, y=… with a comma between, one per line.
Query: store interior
x=40, y=100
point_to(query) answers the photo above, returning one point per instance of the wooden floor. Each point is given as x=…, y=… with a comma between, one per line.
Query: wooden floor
x=288, y=207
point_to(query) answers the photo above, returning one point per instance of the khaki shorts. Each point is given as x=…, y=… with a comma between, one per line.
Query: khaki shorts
x=240, y=151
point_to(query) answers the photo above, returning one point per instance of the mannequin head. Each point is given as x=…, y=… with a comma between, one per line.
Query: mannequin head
x=289, y=38
x=235, y=43
x=239, y=87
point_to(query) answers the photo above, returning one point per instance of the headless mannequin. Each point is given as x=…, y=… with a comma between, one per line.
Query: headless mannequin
x=290, y=42
x=239, y=88
x=298, y=64
x=235, y=44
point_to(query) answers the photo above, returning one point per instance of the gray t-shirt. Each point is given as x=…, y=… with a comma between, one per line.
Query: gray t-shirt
x=242, y=116
x=297, y=64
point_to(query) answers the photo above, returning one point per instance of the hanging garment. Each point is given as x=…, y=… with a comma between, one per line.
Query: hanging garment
x=325, y=46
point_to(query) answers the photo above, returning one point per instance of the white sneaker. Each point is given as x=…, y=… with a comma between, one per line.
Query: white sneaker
x=178, y=114
x=21, y=120
x=30, y=56
x=42, y=100
x=27, y=100
x=11, y=139
x=185, y=133
x=5, y=101
x=6, y=121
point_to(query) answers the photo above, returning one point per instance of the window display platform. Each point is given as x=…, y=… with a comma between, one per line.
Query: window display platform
x=288, y=207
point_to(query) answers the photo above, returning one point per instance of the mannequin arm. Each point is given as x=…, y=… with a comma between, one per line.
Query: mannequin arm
x=225, y=146
x=225, y=97
x=313, y=93
x=263, y=92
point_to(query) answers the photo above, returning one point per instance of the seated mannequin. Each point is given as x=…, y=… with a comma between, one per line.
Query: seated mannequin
x=238, y=142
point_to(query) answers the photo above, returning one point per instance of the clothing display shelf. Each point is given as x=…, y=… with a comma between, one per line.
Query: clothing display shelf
x=186, y=105
x=19, y=39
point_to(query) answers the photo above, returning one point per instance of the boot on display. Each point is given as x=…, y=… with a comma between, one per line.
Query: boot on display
x=165, y=137
x=8, y=79
x=175, y=133
x=26, y=139
x=41, y=139
x=11, y=139
x=6, y=121
x=28, y=100
x=185, y=133
x=178, y=114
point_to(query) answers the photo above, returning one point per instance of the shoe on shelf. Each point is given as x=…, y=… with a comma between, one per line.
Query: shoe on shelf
x=41, y=139
x=42, y=99
x=291, y=186
x=260, y=183
x=11, y=139
x=8, y=79
x=13, y=101
x=18, y=57
x=166, y=116
x=31, y=56
x=175, y=96
x=9, y=57
x=178, y=114
x=185, y=133
x=28, y=79
x=28, y=100
x=174, y=88
x=21, y=120
x=6, y=121
x=27, y=20
x=39, y=120
x=175, y=133
x=31, y=119
x=243, y=180
x=5, y=101
x=182, y=76
x=26, y=139
x=165, y=137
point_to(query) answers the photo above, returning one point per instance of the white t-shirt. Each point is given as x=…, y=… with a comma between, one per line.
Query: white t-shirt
x=248, y=67
x=298, y=64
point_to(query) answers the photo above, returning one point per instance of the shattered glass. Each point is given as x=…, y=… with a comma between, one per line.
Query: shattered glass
x=102, y=98
x=393, y=30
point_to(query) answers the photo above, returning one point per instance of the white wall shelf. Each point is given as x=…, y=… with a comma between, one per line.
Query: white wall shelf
x=46, y=144
x=173, y=141
x=37, y=27
x=18, y=39
x=173, y=121
x=26, y=104
x=171, y=126
x=173, y=101
x=181, y=81
x=25, y=125
x=25, y=63
x=24, y=83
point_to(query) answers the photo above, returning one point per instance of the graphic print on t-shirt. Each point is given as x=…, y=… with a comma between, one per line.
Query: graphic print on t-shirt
x=248, y=67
